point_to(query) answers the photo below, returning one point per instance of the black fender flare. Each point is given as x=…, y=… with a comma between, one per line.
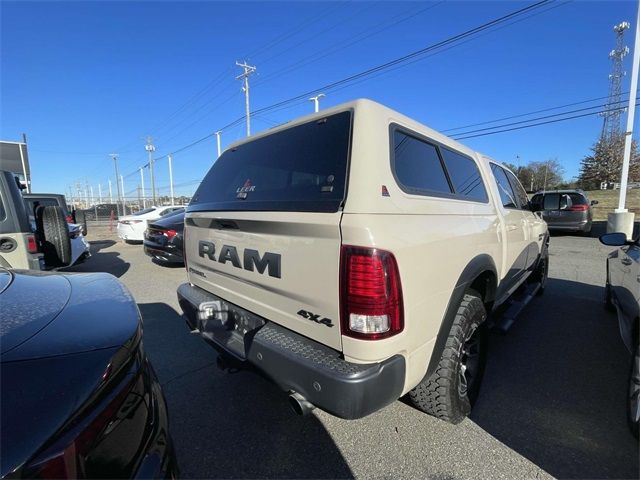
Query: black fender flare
x=477, y=266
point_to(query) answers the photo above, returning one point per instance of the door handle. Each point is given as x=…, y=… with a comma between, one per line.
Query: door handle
x=626, y=261
x=511, y=228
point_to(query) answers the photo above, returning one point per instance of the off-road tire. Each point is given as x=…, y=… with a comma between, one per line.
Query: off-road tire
x=54, y=236
x=442, y=394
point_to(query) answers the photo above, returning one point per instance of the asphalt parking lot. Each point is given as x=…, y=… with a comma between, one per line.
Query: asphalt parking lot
x=552, y=403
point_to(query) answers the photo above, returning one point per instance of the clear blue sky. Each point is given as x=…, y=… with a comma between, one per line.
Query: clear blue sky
x=84, y=79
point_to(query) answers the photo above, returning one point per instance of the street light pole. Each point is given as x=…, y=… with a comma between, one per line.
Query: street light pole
x=170, y=179
x=144, y=202
x=218, y=141
x=316, y=102
x=150, y=148
x=114, y=156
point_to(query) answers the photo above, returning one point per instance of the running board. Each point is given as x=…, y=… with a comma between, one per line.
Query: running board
x=515, y=307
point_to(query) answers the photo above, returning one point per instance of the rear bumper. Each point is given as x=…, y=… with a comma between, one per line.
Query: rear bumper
x=126, y=232
x=298, y=364
x=580, y=226
x=163, y=254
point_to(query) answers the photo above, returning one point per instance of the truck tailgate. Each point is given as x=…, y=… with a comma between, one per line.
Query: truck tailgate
x=282, y=266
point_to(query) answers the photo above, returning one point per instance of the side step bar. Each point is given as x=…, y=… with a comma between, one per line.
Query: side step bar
x=515, y=307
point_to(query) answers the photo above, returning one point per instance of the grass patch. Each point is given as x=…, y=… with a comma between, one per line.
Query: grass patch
x=608, y=202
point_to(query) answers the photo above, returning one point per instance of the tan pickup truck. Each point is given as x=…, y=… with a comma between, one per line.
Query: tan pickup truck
x=352, y=256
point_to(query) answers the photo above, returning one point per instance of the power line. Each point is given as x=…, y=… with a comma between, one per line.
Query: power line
x=605, y=106
x=538, y=124
x=417, y=53
x=358, y=76
x=340, y=46
x=526, y=114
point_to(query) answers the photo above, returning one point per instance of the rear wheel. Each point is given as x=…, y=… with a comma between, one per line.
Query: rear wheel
x=54, y=232
x=452, y=389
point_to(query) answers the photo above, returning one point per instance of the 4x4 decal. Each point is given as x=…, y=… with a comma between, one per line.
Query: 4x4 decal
x=316, y=318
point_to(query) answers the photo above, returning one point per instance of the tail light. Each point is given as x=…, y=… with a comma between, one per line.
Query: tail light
x=169, y=233
x=184, y=248
x=32, y=244
x=66, y=457
x=69, y=219
x=578, y=208
x=370, y=293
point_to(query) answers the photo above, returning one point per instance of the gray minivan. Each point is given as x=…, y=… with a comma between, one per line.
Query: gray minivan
x=567, y=210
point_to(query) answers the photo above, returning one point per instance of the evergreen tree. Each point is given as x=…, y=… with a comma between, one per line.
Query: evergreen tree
x=604, y=164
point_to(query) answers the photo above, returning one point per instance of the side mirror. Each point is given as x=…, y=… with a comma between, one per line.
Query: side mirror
x=594, y=202
x=617, y=239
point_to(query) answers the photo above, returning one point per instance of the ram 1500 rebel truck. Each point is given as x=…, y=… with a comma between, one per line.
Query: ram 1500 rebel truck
x=352, y=256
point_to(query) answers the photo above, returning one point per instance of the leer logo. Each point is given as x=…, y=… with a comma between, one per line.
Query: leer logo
x=247, y=187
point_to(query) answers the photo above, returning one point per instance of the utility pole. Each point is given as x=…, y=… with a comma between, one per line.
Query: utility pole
x=92, y=197
x=86, y=192
x=621, y=220
x=115, y=156
x=316, y=102
x=218, y=141
x=170, y=179
x=110, y=193
x=124, y=205
x=99, y=193
x=150, y=148
x=144, y=202
x=248, y=70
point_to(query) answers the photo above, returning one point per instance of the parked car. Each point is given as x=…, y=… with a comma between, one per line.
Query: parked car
x=32, y=200
x=79, y=249
x=353, y=255
x=163, y=238
x=18, y=243
x=567, y=210
x=132, y=227
x=622, y=294
x=79, y=396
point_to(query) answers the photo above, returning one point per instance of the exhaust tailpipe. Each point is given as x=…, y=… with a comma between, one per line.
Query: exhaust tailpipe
x=299, y=404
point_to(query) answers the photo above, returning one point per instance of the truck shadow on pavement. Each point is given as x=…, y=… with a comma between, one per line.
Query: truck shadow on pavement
x=102, y=261
x=226, y=425
x=555, y=386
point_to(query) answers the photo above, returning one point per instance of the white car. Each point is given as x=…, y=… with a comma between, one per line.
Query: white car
x=132, y=227
x=80, y=249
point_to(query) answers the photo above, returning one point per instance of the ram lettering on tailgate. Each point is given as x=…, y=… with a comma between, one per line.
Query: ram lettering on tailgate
x=250, y=259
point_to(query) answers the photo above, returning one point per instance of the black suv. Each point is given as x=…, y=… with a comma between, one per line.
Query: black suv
x=567, y=210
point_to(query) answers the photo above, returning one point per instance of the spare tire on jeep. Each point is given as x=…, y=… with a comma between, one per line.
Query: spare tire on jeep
x=54, y=236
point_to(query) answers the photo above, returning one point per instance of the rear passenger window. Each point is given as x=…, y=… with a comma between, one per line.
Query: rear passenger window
x=577, y=199
x=518, y=189
x=417, y=165
x=507, y=196
x=464, y=175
